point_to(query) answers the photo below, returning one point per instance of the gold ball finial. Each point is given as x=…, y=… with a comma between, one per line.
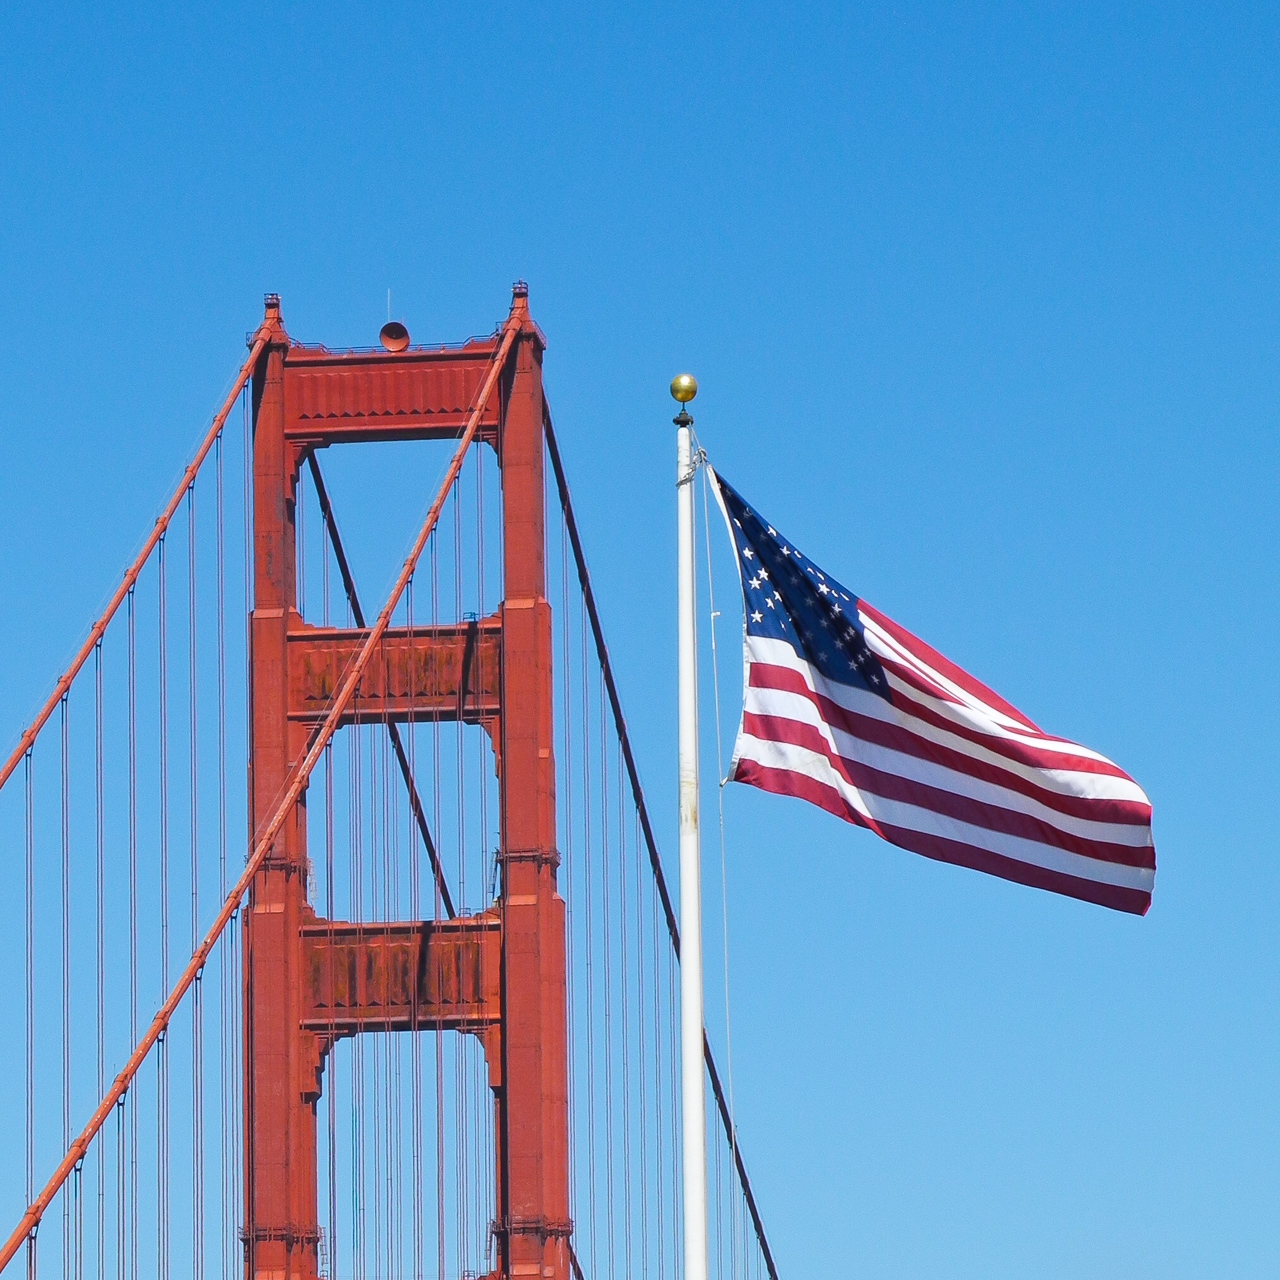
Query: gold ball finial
x=684, y=386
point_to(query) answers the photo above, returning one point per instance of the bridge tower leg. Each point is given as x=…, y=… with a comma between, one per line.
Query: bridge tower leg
x=533, y=1207
x=281, y=1228
x=500, y=974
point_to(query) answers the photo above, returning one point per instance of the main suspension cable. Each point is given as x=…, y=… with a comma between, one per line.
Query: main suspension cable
x=131, y=574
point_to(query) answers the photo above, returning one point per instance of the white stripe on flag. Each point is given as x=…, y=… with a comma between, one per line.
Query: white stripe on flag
x=1065, y=782
x=809, y=764
x=799, y=709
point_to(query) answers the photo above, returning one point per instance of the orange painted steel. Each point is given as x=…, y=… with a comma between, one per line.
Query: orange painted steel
x=423, y=393
x=445, y=672
x=99, y=628
x=532, y=1218
x=283, y=1060
x=403, y=976
x=494, y=671
x=287, y=801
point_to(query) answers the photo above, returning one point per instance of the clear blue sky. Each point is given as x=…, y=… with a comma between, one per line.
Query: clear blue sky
x=984, y=310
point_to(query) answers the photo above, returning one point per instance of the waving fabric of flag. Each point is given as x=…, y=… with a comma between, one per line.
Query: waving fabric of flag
x=846, y=709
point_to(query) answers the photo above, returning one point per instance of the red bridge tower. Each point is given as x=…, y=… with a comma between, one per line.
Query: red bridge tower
x=499, y=975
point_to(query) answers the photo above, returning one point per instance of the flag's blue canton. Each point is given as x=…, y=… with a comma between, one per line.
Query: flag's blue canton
x=787, y=597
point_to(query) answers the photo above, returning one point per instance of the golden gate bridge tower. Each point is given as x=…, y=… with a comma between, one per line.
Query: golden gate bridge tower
x=234, y=1052
x=499, y=974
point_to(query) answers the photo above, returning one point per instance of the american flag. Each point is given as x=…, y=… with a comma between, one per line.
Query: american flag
x=846, y=709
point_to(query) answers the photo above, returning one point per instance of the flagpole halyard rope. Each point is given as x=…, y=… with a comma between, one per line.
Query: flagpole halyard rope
x=720, y=808
x=722, y=779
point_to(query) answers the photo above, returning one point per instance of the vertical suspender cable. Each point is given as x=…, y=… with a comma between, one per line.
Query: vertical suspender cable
x=462, y=1162
x=66, y=983
x=641, y=1060
x=356, y=871
x=100, y=925
x=397, y=1043
x=415, y=911
x=626, y=1014
x=395, y=1180
x=376, y=1041
x=162, y=1048
x=331, y=1057
x=590, y=950
x=224, y=1013
x=225, y=1242
x=121, y=1181
x=388, y=908
x=569, y=865
x=31, y=1006
x=122, y=1184
x=719, y=1205
x=605, y=920
x=197, y=1005
x=130, y=1101
x=435, y=800
x=673, y=1039
x=658, y=1163
x=331, y=1062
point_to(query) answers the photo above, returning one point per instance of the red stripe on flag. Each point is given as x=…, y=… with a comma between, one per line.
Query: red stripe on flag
x=1031, y=755
x=790, y=783
x=979, y=813
x=931, y=692
x=898, y=737
x=944, y=666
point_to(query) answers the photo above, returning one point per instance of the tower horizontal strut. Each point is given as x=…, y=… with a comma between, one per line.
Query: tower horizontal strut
x=264, y=842
x=402, y=976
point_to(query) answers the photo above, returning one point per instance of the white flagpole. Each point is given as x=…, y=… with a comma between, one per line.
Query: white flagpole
x=693, y=1127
